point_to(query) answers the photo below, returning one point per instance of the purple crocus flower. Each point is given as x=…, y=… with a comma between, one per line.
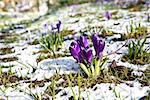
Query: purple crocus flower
x=52, y=28
x=45, y=29
x=98, y=44
x=46, y=26
x=75, y=50
x=80, y=51
x=86, y=55
x=107, y=15
x=58, y=26
x=89, y=55
x=83, y=42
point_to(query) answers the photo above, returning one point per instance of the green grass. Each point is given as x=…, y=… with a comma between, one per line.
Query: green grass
x=52, y=42
x=145, y=79
x=135, y=31
x=103, y=32
x=137, y=54
x=34, y=42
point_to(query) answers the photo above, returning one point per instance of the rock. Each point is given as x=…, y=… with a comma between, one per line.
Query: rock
x=65, y=63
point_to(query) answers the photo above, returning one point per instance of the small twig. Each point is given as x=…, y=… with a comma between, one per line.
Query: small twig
x=117, y=49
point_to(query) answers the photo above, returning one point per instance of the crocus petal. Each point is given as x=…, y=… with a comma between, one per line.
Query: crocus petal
x=74, y=50
x=46, y=26
x=100, y=48
x=45, y=29
x=101, y=44
x=74, y=54
x=82, y=41
x=94, y=40
x=107, y=15
x=98, y=44
x=89, y=55
x=75, y=46
x=73, y=36
x=82, y=54
x=86, y=56
x=58, y=26
x=52, y=28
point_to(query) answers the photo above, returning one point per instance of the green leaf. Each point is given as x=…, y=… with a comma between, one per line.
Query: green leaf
x=70, y=85
x=84, y=68
x=142, y=45
x=79, y=85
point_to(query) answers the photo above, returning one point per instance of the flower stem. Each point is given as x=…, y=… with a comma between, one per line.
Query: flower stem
x=97, y=67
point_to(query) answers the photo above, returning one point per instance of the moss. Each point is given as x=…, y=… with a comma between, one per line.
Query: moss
x=6, y=50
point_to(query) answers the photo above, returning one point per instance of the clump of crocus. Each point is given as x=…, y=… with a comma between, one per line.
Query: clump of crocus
x=52, y=40
x=89, y=62
x=56, y=27
x=107, y=15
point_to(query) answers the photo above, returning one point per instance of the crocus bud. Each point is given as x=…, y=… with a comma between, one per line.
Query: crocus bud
x=98, y=44
x=58, y=26
x=107, y=15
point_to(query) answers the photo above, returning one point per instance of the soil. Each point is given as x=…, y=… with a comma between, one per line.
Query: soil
x=8, y=59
